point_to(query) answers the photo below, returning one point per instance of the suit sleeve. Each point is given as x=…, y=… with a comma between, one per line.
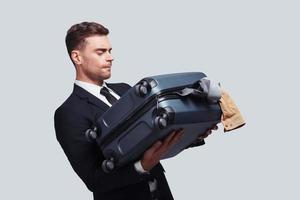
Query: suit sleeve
x=85, y=157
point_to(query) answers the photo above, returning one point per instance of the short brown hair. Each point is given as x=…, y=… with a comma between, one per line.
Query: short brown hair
x=75, y=38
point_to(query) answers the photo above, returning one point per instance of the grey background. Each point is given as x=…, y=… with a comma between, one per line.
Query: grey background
x=251, y=47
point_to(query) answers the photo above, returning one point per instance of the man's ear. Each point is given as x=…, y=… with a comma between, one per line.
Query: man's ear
x=76, y=57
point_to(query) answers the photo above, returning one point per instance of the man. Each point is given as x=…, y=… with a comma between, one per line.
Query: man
x=90, y=51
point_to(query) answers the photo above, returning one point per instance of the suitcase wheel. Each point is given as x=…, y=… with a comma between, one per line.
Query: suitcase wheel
x=108, y=165
x=163, y=117
x=91, y=134
x=142, y=89
x=161, y=122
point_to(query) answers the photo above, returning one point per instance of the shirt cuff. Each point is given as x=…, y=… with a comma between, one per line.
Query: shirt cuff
x=139, y=168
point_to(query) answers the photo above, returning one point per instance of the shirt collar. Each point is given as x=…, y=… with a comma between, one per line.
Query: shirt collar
x=91, y=88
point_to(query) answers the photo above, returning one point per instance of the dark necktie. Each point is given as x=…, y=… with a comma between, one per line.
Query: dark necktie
x=110, y=98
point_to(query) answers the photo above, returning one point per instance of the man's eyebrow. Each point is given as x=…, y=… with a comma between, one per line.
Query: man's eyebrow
x=103, y=49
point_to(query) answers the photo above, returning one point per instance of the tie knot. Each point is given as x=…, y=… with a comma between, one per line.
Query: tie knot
x=104, y=90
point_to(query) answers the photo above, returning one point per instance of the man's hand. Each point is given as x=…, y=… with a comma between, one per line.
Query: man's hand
x=200, y=140
x=155, y=153
x=208, y=132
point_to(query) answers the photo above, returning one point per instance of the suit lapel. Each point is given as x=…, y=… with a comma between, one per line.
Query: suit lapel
x=83, y=94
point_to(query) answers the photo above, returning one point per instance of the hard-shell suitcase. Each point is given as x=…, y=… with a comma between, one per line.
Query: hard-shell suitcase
x=149, y=111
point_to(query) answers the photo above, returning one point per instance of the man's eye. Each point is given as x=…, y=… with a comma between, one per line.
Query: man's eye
x=99, y=53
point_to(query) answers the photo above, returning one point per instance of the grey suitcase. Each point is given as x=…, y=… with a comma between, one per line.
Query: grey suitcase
x=149, y=111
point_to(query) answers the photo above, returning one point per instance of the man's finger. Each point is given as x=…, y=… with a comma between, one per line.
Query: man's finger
x=155, y=147
x=176, y=134
x=176, y=138
x=167, y=146
x=169, y=137
x=206, y=134
x=166, y=143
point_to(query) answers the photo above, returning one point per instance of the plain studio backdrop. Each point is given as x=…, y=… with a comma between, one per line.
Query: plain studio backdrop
x=251, y=47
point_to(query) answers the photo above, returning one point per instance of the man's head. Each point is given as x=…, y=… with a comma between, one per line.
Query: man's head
x=90, y=51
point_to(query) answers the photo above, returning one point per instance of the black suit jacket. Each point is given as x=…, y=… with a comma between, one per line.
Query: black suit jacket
x=77, y=114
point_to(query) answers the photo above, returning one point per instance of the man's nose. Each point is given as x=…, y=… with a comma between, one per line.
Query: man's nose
x=109, y=57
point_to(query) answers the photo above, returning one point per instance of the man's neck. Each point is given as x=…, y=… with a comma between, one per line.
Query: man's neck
x=95, y=82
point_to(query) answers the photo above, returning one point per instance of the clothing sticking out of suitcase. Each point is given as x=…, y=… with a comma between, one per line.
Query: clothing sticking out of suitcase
x=150, y=110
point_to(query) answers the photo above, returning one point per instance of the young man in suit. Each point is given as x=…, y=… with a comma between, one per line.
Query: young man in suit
x=90, y=51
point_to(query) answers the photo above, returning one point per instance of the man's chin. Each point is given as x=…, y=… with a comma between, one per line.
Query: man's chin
x=105, y=77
